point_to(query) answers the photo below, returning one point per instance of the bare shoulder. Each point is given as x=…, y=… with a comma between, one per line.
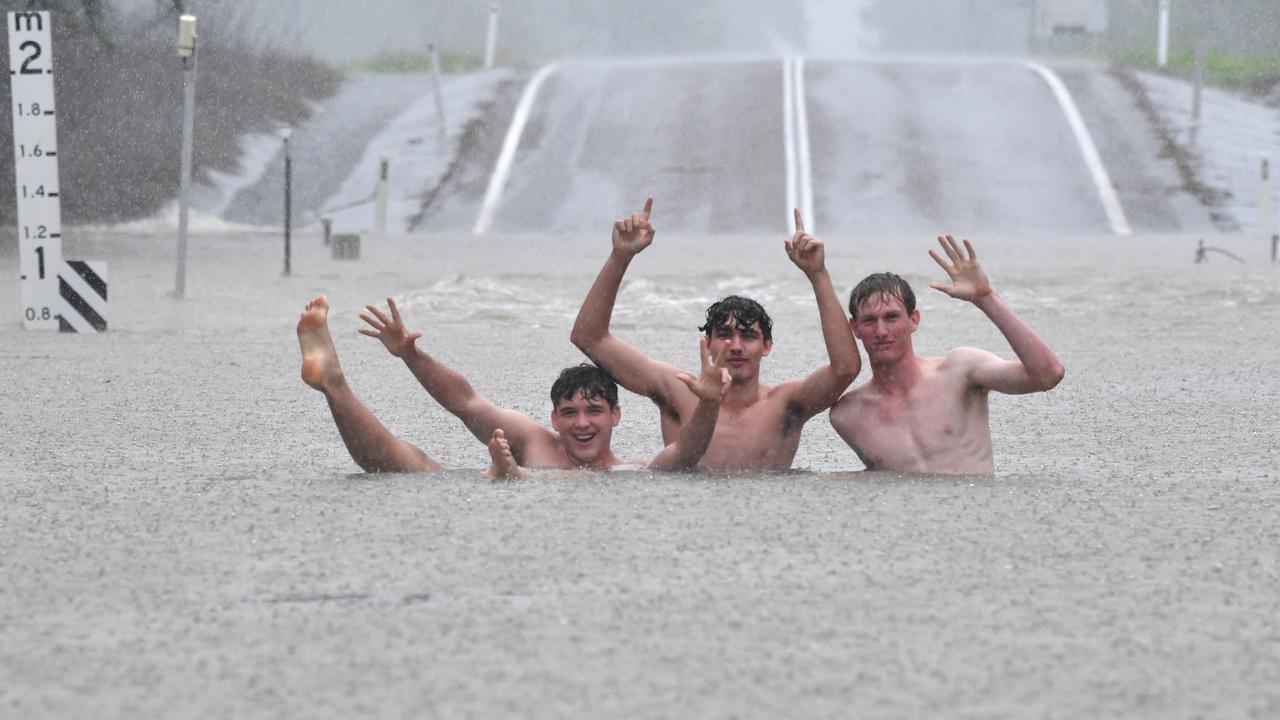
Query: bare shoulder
x=850, y=401
x=781, y=394
x=964, y=359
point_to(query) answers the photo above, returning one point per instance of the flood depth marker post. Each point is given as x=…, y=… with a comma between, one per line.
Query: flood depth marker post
x=56, y=295
x=186, y=51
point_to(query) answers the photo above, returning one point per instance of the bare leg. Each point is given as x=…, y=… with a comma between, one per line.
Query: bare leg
x=371, y=444
x=504, y=465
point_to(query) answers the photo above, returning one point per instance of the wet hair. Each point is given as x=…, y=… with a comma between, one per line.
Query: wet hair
x=882, y=285
x=587, y=381
x=745, y=313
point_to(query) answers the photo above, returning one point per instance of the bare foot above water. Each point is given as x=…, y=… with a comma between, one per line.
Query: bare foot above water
x=320, y=367
x=504, y=463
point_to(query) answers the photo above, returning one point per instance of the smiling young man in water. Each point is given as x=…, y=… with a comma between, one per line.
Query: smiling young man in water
x=584, y=408
x=759, y=426
x=929, y=415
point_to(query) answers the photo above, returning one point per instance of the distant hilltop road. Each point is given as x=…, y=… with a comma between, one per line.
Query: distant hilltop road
x=870, y=146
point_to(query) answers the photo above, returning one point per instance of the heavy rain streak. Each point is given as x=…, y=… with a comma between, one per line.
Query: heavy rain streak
x=292, y=284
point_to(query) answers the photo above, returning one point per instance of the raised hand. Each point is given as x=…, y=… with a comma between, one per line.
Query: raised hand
x=805, y=250
x=713, y=382
x=968, y=281
x=633, y=234
x=390, y=330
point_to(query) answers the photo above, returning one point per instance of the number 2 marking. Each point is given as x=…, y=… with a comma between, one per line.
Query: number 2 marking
x=35, y=47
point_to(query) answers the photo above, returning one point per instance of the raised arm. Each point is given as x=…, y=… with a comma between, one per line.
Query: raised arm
x=450, y=389
x=1037, y=368
x=632, y=369
x=695, y=435
x=824, y=385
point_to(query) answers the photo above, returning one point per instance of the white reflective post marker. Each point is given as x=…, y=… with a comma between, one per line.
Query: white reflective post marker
x=1162, y=35
x=491, y=38
x=383, y=191
x=435, y=84
x=186, y=51
x=1266, y=210
x=35, y=162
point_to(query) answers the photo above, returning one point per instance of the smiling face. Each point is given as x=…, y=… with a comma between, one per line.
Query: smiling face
x=585, y=426
x=745, y=346
x=884, y=326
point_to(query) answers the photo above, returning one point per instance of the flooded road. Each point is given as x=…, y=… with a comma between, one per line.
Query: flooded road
x=183, y=533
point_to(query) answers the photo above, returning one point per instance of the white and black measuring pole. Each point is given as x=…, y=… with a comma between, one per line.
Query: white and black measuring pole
x=186, y=51
x=56, y=295
x=491, y=37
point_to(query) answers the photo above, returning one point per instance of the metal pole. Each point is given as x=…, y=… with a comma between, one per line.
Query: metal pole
x=327, y=224
x=1162, y=35
x=187, y=50
x=435, y=84
x=288, y=205
x=491, y=39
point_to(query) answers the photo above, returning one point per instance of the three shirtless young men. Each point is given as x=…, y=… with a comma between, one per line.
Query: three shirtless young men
x=916, y=414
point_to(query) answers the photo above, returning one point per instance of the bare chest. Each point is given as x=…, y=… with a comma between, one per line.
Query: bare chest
x=933, y=427
x=762, y=436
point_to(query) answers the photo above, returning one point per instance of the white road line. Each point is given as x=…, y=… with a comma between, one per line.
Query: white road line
x=795, y=131
x=805, y=170
x=788, y=138
x=502, y=169
x=1101, y=180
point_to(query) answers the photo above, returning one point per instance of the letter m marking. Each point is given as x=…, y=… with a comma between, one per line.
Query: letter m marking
x=23, y=21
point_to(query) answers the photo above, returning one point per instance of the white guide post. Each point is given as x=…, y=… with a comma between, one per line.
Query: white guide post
x=381, y=196
x=35, y=161
x=1266, y=210
x=435, y=85
x=1162, y=35
x=491, y=38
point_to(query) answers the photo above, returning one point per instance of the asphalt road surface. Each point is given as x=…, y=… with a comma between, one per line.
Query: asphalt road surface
x=885, y=146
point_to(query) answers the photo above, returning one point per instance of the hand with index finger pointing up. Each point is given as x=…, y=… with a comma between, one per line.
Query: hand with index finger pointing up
x=805, y=250
x=633, y=234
